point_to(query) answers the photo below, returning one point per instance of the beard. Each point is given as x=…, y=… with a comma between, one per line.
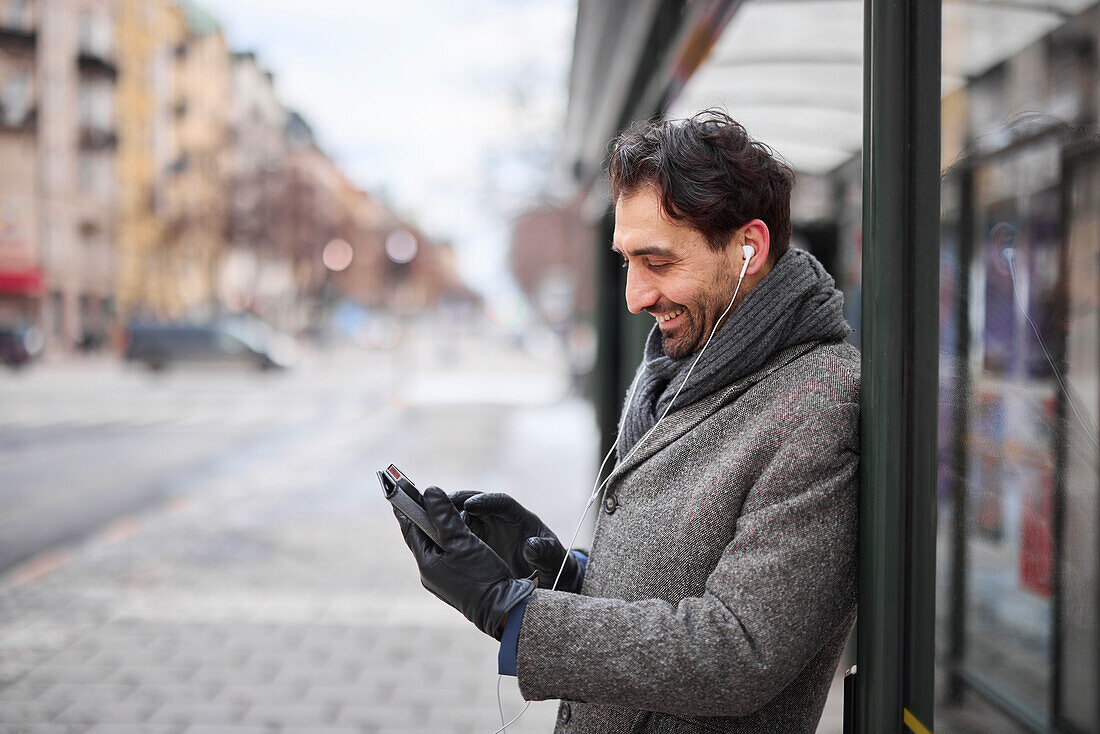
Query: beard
x=695, y=327
x=686, y=338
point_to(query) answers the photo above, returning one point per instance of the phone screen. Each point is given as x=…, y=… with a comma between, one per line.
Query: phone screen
x=404, y=484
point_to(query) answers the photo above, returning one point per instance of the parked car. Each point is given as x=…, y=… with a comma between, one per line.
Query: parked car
x=161, y=345
x=19, y=344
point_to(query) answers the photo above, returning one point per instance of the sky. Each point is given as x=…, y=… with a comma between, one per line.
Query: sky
x=450, y=110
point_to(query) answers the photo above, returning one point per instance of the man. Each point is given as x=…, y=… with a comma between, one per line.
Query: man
x=720, y=588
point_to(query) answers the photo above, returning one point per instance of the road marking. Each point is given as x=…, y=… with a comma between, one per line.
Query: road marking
x=120, y=530
x=39, y=567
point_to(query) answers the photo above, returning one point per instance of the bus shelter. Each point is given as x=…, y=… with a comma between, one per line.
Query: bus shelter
x=949, y=178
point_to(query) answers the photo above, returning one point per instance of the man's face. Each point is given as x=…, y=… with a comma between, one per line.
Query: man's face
x=672, y=272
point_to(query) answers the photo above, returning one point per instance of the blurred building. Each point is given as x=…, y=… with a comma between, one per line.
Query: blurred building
x=318, y=205
x=396, y=266
x=365, y=224
x=197, y=207
x=147, y=172
x=430, y=279
x=21, y=268
x=57, y=75
x=149, y=32
x=551, y=258
x=309, y=216
x=257, y=271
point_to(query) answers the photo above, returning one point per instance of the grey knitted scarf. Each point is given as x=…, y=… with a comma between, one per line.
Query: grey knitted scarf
x=795, y=303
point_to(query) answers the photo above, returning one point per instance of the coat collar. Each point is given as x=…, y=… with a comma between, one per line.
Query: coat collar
x=681, y=420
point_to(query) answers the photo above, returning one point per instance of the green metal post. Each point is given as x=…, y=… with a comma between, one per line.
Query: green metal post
x=609, y=356
x=894, y=685
x=961, y=419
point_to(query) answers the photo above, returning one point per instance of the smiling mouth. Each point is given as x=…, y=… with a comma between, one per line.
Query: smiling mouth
x=668, y=316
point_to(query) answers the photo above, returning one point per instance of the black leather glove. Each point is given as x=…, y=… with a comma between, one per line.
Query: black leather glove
x=465, y=573
x=520, y=538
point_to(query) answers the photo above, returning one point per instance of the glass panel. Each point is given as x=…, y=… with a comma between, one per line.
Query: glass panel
x=1018, y=400
x=1009, y=475
x=1078, y=616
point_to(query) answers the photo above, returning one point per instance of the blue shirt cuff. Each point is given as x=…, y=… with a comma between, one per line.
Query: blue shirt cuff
x=509, y=641
x=581, y=558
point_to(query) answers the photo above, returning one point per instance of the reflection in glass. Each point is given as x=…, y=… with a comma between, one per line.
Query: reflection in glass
x=1018, y=341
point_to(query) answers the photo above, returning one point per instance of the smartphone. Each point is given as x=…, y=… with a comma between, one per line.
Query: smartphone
x=394, y=479
x=404, y=495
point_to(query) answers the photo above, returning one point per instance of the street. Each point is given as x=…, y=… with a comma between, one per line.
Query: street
x=210, y=552
x=85, y=443
x=245, y=572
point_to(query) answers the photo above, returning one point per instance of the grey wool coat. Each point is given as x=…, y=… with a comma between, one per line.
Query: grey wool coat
x=721, y=585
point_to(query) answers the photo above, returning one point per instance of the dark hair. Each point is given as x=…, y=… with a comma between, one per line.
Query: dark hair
x=710, y=174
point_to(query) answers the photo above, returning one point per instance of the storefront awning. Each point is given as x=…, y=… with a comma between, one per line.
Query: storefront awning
x=26, y=282
x=790, y=70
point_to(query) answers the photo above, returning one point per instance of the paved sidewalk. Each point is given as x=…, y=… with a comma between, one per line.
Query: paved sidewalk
x=277, y=595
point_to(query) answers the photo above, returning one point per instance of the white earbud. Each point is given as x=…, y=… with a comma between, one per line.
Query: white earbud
x=749, y=251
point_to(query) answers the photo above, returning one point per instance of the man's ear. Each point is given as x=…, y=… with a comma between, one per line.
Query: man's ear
x=754, y=233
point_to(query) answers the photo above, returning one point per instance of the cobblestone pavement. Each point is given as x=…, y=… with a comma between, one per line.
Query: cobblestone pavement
x=276, y=595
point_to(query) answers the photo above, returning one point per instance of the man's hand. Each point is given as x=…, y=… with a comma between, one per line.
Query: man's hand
x=465, y=572
x=520, y=538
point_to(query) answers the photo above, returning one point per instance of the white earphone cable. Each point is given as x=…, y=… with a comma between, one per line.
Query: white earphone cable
x=598, y=485
x=500, y=707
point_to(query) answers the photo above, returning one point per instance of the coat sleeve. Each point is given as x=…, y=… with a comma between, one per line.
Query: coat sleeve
x=783, y=585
